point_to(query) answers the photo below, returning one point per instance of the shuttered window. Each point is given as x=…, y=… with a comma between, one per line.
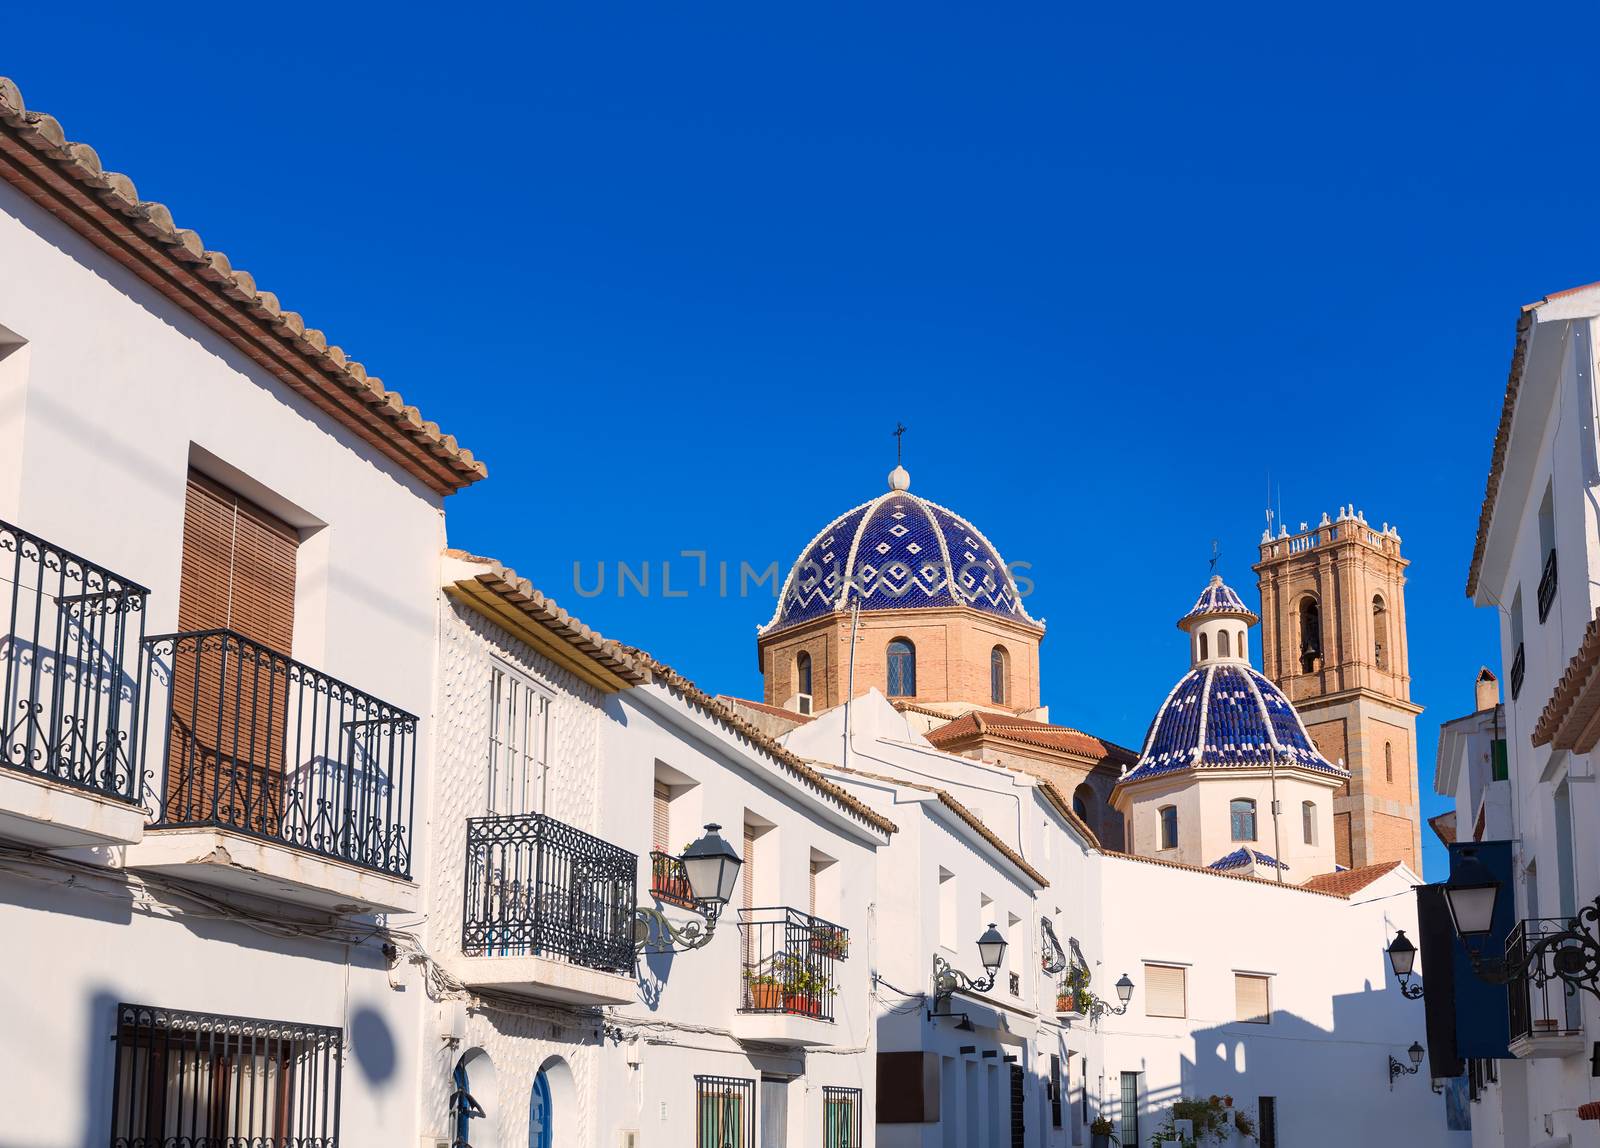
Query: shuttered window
x=238, y=567
x=1252, y=998
x=1165, y=990
x=661, y=819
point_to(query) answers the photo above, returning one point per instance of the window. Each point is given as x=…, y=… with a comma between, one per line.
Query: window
x=661, y=819
x=841, y=1117
x=947, y=910
x=997, y=674
x=519, y=715
x=1267, y=1119
x=1308, y=821
x=1224, y=646
x=1053, y=1085
x=193, y=1078
x=1310, y=634
x=1518, y=665
x=1242, y=814
x=725, y=1112
x=802, y=673
x=1165, y=990
x=1380, y=633
x=1388, y=762
x=1205, y=648
x=1169, y=826
x=1547, y=556
x=1128, y=1124
x=1498, y=770
x=1251, y=999
x=1085, y=804
x=1243, y=650
x=902, y=669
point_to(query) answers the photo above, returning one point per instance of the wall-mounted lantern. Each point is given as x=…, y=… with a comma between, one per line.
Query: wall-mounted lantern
x=946, y=980
x=1403, y=960
x=1397, y=1069
x=711, y=867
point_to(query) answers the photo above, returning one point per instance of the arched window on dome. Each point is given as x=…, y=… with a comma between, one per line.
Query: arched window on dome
x=1205, y=648
x=999, y=663
x=1380, y=633
x=902, y=669
x=1310, y=634
x=1084, y=803
x=1169, y=826
x=1308, y=821
x=802, y=673
x=1224, y=645
x=1242, y=814
x=1242, y=646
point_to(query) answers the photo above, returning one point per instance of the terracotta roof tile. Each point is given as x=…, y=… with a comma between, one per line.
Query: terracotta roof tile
x=775, y=711
x=66, y=180
x=1573, y=703
x=1221, y=874
x=1348, y=881
x=1026, y=731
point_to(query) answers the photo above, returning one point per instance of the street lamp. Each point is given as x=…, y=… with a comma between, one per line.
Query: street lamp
x=1471, y=894
x=1098, y=1008
x=1403, y=959
x=946, y=980
x=1397, y=1069
x=711, y=868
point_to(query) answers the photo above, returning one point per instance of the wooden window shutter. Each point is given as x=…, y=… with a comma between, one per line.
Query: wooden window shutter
x=660, y=820
x=1252, y=999
x=749, y=874
x=811, y=891
x=1165, y=990
x=238, y=567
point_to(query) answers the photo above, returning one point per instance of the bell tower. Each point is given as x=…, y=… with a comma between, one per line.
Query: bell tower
x=1333, y=638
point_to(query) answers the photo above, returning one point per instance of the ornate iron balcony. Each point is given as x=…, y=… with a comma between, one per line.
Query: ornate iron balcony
x=257, y=743
x=789, y=962
x=1547, y=587
x=1518, y=668
x=69, y=664
x=538, y=887
x=1539, y=1001
x=669, y=883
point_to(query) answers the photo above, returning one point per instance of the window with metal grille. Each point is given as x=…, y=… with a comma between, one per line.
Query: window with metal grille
x=1267, y=1121
x=1165, y=990
x=841, y=1117
x=1252, y=999
x=1242, y=814
x=1055, y=1090
x=519, y=718
x=902, y=669
x=1169, y=826
x=1128, y=1124
x=725, y=1112
x=184, y=1078
x=997, y=675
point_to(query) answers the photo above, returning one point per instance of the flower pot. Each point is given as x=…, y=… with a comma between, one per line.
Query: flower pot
x=765, y=998
x=1100, y=1140
x=797, y=1003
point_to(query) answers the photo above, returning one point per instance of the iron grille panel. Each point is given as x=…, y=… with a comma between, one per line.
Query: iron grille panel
x=1538, y=1001
x=1547, y=587
x=789, y=962
x=69, y=667
x=201, y=1080
x=725, y=1112
x=841, y=1117
x=536, y=886
x=1519, y=666
x=257, y=743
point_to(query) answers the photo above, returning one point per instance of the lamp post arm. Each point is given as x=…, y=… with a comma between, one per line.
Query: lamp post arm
x=947, y=979
x=654, y=932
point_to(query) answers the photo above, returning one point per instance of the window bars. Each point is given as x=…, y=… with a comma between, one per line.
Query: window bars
x=184, y=1079
x=257, y=743
x=725, y=1112
x=538, y=887
x=70, y=633
x=841, y=1117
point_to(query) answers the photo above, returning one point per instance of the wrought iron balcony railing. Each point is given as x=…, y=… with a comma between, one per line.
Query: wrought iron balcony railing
x=1538, y=1001
x=1519, y=666
x=1547, y=586
x=669, y=883
x=69, y=664
x=257, y=743
x=789, y=962
x=538, y=887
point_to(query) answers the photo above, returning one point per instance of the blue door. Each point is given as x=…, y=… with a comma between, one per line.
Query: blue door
x=540, y=1123
x=463, y=1108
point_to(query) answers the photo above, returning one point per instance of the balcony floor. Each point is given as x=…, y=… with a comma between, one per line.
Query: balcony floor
x=796, y=1029
x=546, y=978
x=1537, y=1045
x=37, y=811
x=235, y=862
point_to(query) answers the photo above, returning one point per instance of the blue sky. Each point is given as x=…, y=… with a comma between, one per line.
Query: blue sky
x=675, y=273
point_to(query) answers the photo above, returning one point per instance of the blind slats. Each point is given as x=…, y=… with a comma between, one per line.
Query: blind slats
x=660, y=819
x=1251, y=998
x=1165, y=990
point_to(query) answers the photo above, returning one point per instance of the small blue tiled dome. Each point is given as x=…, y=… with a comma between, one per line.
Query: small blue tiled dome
x=898, y=552
x=1218, y=599
x=1226, y=714
x=1244, y=857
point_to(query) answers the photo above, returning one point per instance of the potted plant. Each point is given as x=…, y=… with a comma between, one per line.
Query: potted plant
x=1245, y=1123
x=766, y=990
x=830, y=941
x=1101, y=1134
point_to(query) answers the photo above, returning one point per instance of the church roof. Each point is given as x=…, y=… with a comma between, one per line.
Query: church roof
x=1218, y=599
x=1244, y=857
x=898, y=551
x=1226, y=714
x=1009, y=727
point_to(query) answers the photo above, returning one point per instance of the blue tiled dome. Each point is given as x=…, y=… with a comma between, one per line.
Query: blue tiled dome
x=1226, y=714
x=1218, y=599
x=898, y=552
x=1244, y=857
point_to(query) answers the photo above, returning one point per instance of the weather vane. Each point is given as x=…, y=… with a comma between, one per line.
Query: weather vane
x=899, y=437
x=1215, y=554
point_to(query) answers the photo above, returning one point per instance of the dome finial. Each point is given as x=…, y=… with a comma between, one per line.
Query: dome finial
x=899, y=477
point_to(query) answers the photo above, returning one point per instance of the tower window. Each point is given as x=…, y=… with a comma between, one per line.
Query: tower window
x=1388, y=762
x=902, y=669
x=1380, y=633
x=802, y=672
x=1205, y=649
x=1310, y=634
x=1242, y=646
x=1242, y=814
x=1084, y=803
x=1224, y=649
x=1308, y=821
x=997, y=674
x=1169, y=826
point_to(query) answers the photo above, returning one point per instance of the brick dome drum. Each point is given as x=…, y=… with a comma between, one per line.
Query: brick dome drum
x=897, y=552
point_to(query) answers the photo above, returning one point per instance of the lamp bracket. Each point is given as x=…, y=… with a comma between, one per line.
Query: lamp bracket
x=1574, y=957
x=947, y=979
x=654, y=932
x=1397, y=1069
